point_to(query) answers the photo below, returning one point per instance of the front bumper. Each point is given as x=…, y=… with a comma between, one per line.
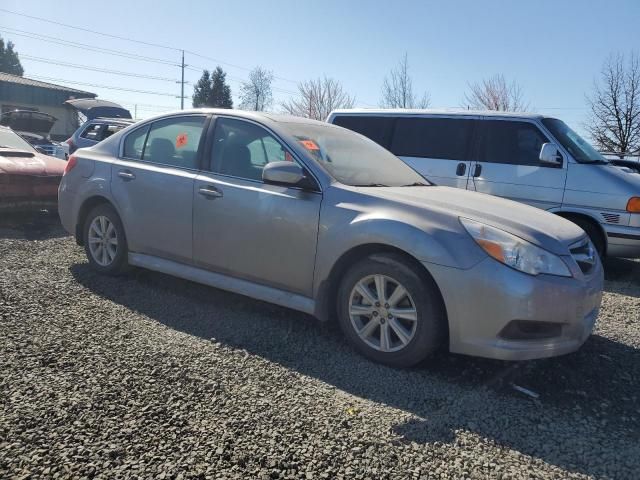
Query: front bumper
x=483, y=300
x=623, y=241
x=28, y=192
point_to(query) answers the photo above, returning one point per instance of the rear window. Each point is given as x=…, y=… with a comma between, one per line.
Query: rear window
x=378, y=129
x=92, y=132
x=441, y=138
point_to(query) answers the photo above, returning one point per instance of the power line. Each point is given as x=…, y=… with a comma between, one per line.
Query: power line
x=96, y=69
x=89, y=30
x=84, y=46
x=110, y=87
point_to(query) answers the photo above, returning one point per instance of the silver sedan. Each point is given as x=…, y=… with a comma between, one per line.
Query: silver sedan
x=320, y=219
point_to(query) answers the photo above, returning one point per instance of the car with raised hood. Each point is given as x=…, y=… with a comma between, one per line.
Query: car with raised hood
x=320, y=219
x=35, y=128
x=28, y=179
x=101, y=119
x=529, y=158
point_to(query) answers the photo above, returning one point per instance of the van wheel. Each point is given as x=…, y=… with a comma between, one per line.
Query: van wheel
x=594, y=234
x=104, y=240
x=389, y=312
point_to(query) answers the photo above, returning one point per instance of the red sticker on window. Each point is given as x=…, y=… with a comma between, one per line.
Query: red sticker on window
x=288, y=157
x=181, y=140
x=309, y=145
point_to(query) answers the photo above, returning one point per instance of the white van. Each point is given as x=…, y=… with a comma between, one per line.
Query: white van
x=527, y=158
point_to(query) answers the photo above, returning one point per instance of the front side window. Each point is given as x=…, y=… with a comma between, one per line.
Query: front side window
x=577, y=146
x=378, y=129
x=513, y=143
x=242, y=149
x=437, y=138
x=174, y=141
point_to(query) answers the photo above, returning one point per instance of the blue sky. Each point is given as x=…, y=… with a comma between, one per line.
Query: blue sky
x=553, y=49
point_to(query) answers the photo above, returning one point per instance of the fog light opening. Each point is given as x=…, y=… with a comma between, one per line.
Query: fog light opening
x=530, y=330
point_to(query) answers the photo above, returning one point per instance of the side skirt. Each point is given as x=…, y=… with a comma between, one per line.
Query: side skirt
x=224, y=282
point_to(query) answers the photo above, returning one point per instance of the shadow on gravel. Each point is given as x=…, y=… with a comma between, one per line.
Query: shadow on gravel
x=32, y=226
x=623, y=276
x=596, y=389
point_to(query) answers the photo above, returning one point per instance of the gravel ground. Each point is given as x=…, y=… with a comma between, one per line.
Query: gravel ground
x=148, y=376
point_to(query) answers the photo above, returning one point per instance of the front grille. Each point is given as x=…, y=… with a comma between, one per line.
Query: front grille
x=611, y=217
x=585, y=255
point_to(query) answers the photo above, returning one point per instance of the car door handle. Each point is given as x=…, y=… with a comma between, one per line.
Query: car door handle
x=478, y=170
x=209, y=191
x=126, y=174
x=461, y=169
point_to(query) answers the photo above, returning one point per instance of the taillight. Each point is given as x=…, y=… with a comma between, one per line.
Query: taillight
x=68, y=141
x=71, y=162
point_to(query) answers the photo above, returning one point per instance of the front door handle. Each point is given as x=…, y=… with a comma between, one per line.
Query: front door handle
x=461, y=169
x=477, y=171
x=210, y=191
x=126, y=174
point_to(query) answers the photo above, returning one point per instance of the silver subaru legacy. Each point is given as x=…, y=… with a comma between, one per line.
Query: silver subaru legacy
x=322, y=220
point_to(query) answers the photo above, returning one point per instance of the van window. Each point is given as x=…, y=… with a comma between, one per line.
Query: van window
x=378, y=129
x=441, y=138
x=514, y=143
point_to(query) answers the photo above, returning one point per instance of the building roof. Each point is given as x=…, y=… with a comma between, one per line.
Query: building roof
x=15, y=79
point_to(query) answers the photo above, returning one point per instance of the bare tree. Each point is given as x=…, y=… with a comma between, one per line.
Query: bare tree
x=318, y=98
x=496, y=94
x=614, y=122
x=255, y=94
x=397, y=89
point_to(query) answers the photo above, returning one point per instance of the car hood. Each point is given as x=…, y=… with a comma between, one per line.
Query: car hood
x=28, y=121
x=539, y=227
x=23, y=162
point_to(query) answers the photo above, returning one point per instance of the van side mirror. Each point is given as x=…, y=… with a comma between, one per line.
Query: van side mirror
x=550, y=155
x=283, y=173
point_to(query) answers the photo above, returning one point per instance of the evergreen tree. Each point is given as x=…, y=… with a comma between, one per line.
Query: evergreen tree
x=202, y=91
x=220, y=92
x=9, y=60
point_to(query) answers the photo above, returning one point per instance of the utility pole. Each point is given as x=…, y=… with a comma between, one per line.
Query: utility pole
x=182, y=84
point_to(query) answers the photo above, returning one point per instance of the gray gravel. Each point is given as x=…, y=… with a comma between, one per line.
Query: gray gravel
x=148, y=376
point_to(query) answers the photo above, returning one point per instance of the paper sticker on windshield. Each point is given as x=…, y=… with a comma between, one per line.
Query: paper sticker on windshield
x=309, y=145
x=181, y=140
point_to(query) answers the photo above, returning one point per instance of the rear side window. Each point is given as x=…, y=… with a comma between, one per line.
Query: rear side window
x=110, y=130
x=174, y=141
x=92, y=132
x=134, y=143
x=378, y=129
x=514, y=143
x=441, y=138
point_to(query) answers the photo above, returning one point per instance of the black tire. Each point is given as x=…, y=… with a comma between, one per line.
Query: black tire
x=119, y=263
x=594, y=234
x=430, y=327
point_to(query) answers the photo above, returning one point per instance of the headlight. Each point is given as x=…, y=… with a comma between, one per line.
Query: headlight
x=514, y=251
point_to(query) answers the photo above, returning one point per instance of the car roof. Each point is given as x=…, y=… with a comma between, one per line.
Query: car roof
x=447, y=112
x=113, y=120
x=251, y=115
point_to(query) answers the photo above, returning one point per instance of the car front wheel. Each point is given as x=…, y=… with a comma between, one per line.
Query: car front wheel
x=104, y=240
x=391, y=312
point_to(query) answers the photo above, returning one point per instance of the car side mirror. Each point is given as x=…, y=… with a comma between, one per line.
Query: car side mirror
x=550, y=155
x=283, y=173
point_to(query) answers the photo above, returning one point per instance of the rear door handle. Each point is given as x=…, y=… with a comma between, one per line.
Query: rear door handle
x=478, y=170
x=461, y=169
x=210, y=191
x=126, y=174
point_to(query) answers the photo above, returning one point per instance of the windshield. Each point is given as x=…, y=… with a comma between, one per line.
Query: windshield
x=10, y=139
x=577, y=146
x=353, y=159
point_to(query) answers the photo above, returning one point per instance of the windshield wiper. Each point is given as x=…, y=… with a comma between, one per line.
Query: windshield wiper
x=416, y=184
x=371, y=185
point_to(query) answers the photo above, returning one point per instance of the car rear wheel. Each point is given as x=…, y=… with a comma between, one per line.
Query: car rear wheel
x=390, y=312
x=104, y=240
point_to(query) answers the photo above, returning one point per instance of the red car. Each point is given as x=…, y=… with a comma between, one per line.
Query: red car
x=28, y=179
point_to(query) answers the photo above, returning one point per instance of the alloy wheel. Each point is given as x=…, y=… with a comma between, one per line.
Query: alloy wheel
x=382, y=313
x=103, y=240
